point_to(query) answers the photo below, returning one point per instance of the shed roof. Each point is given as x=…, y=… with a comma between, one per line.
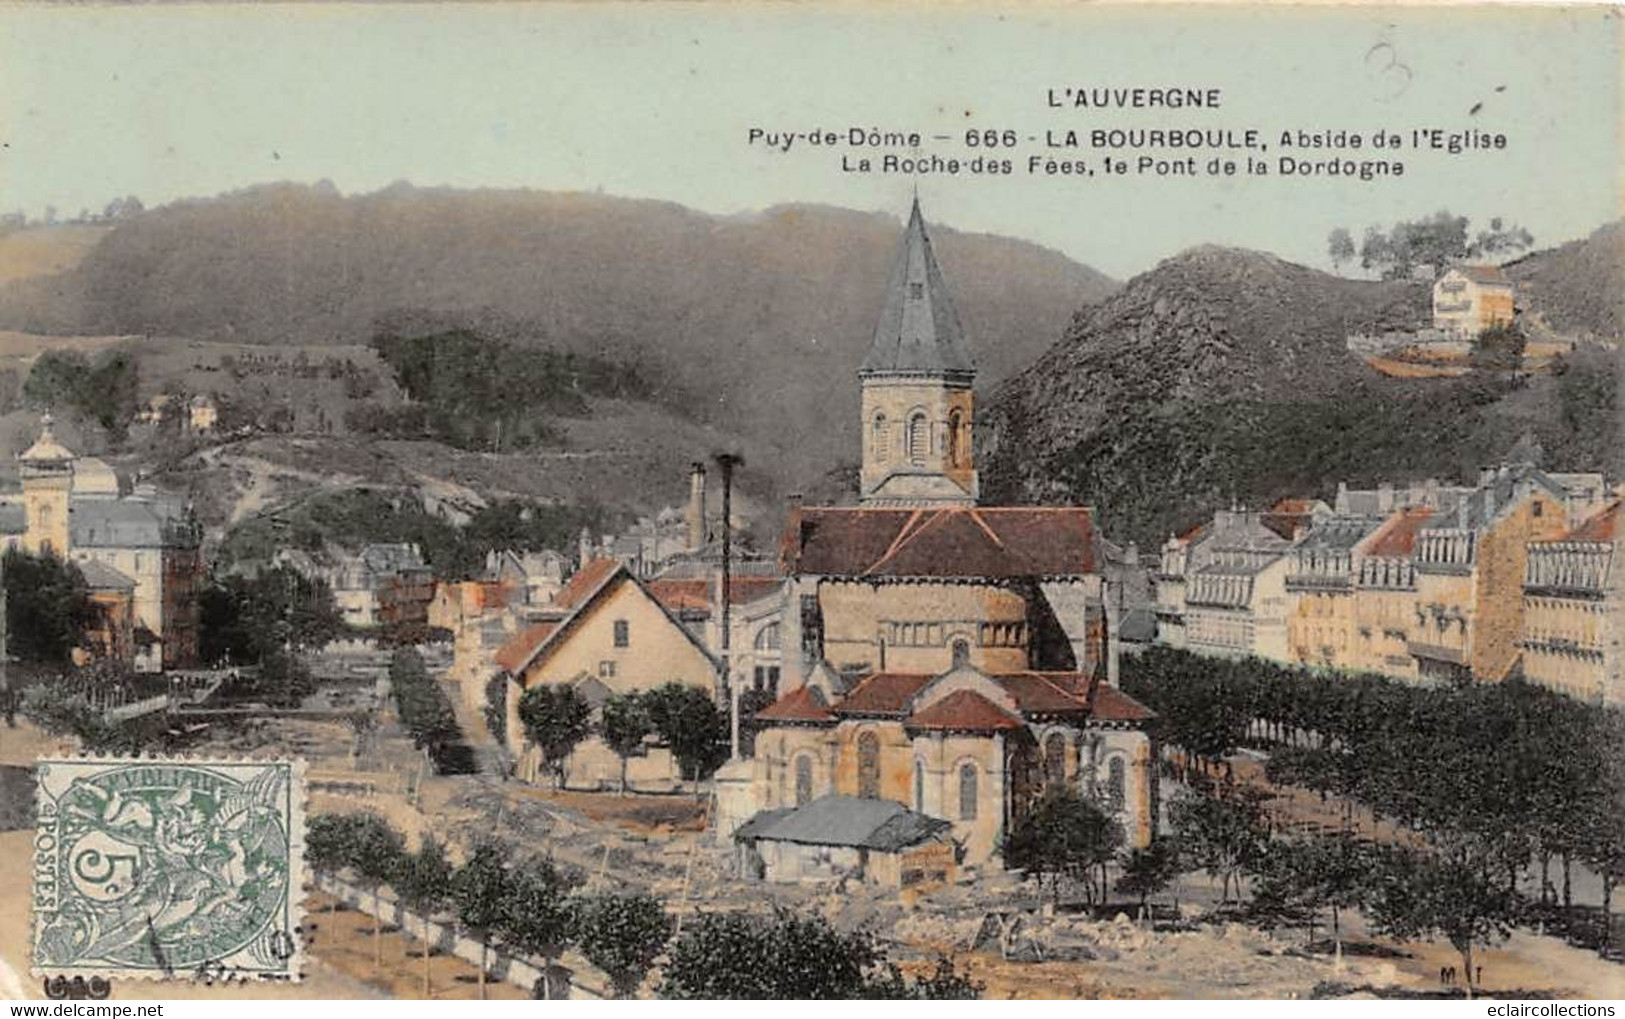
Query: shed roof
x=847, y=821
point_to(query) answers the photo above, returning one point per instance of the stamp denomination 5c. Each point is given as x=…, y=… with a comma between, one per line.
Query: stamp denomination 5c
x=168, y=868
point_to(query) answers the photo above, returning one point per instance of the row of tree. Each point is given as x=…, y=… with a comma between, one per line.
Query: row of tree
x=556, y=719
x=1434, y=241
x=533, y=907
x=422, y=705
x=1499, y=777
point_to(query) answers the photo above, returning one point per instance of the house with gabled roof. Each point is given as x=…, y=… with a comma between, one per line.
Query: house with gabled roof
x=603, y=634
x=1469, y=299
x=953, y=658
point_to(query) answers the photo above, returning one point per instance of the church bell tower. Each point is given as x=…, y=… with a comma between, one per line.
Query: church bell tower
x=47, y=476
x=916, y=379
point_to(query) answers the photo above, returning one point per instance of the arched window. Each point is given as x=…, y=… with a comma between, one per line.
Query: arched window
x=967, y=792
x=803, y=780
x=956, y=443
x=919, y=787
x=918, y=439
x=1054, y=761
x=767, y=638
x=961, y=652
x=877, y=438
x=869, y=766
x=1116, y=793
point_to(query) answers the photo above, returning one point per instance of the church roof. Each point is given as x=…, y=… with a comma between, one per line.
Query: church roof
x=803, y=704
x=948, y=542
x=963, y=711
x=919, y=331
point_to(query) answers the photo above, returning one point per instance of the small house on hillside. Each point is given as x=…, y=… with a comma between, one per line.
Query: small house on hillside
x=1469, y=299
x=878, y=841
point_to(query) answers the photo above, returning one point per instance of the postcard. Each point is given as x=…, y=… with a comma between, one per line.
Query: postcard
x=800, y=501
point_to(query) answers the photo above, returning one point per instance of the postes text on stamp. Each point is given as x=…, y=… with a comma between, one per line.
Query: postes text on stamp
x=168, y=868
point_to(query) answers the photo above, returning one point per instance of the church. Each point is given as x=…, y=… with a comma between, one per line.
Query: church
x=139, y=551
x=954, y=658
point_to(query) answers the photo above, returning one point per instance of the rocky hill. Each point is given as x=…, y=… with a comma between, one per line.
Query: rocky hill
x=1222, y=375
x=1578, y=287
x=751, y=325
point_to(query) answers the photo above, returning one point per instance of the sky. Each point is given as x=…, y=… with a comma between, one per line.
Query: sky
x=657, y=101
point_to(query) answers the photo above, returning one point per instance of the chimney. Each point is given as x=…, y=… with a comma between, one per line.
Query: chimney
x=1385, y=498
x=695, y=515
x=1430, y=492
x=584, y=549
x=1342, y=504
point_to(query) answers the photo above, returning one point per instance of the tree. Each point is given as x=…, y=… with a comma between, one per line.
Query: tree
x=555, y=720
x=690, y=724
x=329, y=842
x=1221, y=835
x=790, y=956
x=425, y=710
x=1340, y=247
x=423, y=882
x=1500, y=347
x=622, y=935
x=1423, y=895
x=48, y=607
x=537, y=915
x=1062, y=835
x=1434, y=241
x=375, y=853
x=242, y=619
x=1149, y=870
x=625, y=725
x=479, y=890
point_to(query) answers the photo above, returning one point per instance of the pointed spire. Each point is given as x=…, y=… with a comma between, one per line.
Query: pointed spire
x=918, y=332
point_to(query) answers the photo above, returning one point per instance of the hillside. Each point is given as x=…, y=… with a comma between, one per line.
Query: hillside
x=1578, y=287
x=1222, y=375
x=751, y=324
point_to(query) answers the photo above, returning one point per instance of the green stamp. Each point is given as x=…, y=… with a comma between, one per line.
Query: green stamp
x=168, y=868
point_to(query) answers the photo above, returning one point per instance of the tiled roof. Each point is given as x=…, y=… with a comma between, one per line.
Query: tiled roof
x=1489, y=275
x=949, y=542
x=1601, y=526
x=584, y=582
x=1339, y=533
x=512, y=655
x=883, y=693
x=1046, y=692
x=387, y=558
x=1398, y=535
x=690, y=594
x=803, y=704
x=918, y=331
x=964, y=711
x=1113, y=705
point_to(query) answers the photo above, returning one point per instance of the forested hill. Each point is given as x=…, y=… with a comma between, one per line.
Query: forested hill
x=755, y=324
x=1578, y=287
x=1222, y=375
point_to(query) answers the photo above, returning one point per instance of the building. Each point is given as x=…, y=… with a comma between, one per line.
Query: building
x=1320, y=583
x=75, y=508
x=1470, y=566
x=955, y=659
x=1222, y=587
x=604, y=634
x=535, y=576
x=1469, y=299
x=1572, y=611
x=358, y=579
x=873, y=840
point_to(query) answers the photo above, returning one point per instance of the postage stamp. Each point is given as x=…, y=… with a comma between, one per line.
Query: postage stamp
x=168, y=868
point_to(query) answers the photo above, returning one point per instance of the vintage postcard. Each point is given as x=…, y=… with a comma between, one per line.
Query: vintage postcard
x=614, y=501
